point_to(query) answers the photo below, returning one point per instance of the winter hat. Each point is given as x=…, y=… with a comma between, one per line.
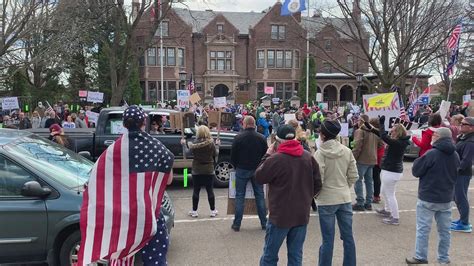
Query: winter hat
x=286, y=132
x=444, y=132
x=469, y=120
x=330, y=129
x=55, y=129
x=135, y=113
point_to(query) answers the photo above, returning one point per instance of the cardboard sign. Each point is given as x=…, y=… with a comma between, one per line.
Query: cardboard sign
x=92, y=116
x=183, y=98
x=288, y=117
x=10, y=103
x=175, y=121
x=319, y=97
x=249, y=193
x=227, y=119
x=189, y=120
x=344, y=130
x=83, y=94
x=391, y=112
x=269, y=90
x=213, y=118
x=117, y=127
x=444, y=108
x=242, y=97
x=195, y=98
x=95, y=97
x=220, y=102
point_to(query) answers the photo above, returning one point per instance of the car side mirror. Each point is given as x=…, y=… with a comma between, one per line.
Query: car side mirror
x=34, y=189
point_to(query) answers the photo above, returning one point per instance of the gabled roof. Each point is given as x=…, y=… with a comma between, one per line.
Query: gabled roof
x=315, y=24
x=199, y=19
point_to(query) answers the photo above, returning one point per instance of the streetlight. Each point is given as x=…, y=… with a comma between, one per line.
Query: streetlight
x=182, y=78
x=359, y=77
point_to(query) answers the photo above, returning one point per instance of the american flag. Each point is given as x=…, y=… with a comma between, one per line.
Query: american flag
x=123, y=198
x=49, y=109
x=191, y=85
x=454, y=39
x=413, y=107
x=403, y=114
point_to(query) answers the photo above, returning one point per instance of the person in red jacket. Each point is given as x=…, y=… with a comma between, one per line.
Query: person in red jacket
x=424, y=143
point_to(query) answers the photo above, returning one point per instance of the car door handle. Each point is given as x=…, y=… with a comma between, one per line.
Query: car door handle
x=108, y=142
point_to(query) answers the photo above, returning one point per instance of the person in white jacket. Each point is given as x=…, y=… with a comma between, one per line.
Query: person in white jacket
x=338, y=173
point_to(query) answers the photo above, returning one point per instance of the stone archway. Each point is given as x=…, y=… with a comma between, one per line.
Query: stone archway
x=346, y=94
x=330, y=93
x=220, y=90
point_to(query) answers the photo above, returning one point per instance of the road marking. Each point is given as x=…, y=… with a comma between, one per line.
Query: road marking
x=251, y=217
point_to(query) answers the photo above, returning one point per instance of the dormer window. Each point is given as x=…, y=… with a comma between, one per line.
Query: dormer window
x=220, y=28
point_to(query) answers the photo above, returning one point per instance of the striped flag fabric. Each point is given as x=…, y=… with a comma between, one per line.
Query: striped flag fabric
x=191, y=85
x=413, y=107
x=403, y=114
x=455, y=35
x=122, y=200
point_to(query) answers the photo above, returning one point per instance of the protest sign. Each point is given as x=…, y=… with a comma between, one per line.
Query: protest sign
x=227, y=119
x=183, y=98
x=175, y=121
x=319, y=97
x=288, y=117
x=466, y=99
x=213, y=118
x=220, y=102
x=444, y=108
x=344, y=130
x=10, y=103
x=95, y=97
x=194, y=98
x=391, y=111
x=275, y=100
x=83, y=94
x=269, y=90
x=117, y=127
x=92, y=116
x=250, y=203
x=381, y=100
x=242, y=97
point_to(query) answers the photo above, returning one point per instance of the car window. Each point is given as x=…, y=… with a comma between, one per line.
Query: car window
x=114, y=125
x=57, y=162
x=12, y=178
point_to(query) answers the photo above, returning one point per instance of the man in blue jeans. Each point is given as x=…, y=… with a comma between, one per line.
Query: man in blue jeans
x=465, y=149
x=248, y=148
x=293, y=179
x=437, y=170
x=338, y=172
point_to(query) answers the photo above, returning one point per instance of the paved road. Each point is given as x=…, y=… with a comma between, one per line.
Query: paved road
x=210, y=241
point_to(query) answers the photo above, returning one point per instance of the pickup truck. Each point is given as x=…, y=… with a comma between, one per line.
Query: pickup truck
x=109, y=127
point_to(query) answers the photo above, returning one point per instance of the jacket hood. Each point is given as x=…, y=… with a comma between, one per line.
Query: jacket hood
x=467, y=137
x=445, y=145
x=291, y=147
x=332, y=149
x=200, y=143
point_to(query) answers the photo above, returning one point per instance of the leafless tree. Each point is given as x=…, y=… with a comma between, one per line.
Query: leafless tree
x=396, y=37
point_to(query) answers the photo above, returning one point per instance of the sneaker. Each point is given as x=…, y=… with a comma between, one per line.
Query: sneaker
x=457, y=222
x=460, y=227
x=214, y=213
x=415, y=261
x=383, y=213
x=368, y=207
x=235, y=228
x=376, y=200
x=193, y=214
x=358, y=208
x=391, y=221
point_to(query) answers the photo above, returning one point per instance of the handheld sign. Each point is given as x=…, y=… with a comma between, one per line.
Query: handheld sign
x=10, y=103
x=213, y=118
x=175, y=121
x=183, y=98
x=220, y=102
x=194, y=98
x=95, y=96
x=227, y=119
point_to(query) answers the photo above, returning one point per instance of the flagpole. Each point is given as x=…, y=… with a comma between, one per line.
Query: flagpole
x=449, y=89
x=161, y=56
x=307, y=61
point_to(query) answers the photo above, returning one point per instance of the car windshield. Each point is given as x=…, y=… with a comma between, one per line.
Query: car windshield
x=59, y=163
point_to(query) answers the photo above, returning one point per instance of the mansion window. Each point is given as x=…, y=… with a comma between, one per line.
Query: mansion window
x=220, y=28
x=171, y=56
x=277, y=59
x=154, y=90
x=261, y=59
x=283, y=90
x=297, y=59
x=165, y=26
x=221, y=60
x=278, y=32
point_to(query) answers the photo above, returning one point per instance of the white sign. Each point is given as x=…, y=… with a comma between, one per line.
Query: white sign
x=220, y=102
x=391, y=112
x=183, y=98
x=289, y=117
x=466, y=99
x=344, y=130
x=275, y=100
x=95, y=96
x=319, y=97
x=444, y=108
x=249, y=194
x=93, y=117
x=10, y=103
x=116, y=127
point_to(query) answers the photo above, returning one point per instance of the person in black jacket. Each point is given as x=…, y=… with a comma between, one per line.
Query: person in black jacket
x=465, y=149
x=437, y=170
x=392, y=167
x=247, y=151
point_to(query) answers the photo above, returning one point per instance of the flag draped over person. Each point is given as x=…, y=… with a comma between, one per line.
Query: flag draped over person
x=123, y=198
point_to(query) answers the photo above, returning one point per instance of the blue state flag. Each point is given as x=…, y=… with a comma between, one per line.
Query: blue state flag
x=292, y=6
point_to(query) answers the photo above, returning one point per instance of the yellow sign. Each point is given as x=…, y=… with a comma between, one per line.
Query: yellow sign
x=381, y=100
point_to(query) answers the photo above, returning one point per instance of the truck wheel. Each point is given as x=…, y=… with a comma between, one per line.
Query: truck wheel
x=68, y=254
x=222, y=171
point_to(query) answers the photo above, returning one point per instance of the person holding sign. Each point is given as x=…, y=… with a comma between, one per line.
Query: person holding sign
x=392, y=167
x=204, y=151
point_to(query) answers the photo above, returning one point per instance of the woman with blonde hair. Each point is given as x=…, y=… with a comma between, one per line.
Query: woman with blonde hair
x=35, y=120
x=204, y=152
x=392, y=167
x=301, y=135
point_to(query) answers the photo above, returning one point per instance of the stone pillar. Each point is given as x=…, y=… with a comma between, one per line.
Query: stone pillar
x=338, y=100
x=354, y=94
